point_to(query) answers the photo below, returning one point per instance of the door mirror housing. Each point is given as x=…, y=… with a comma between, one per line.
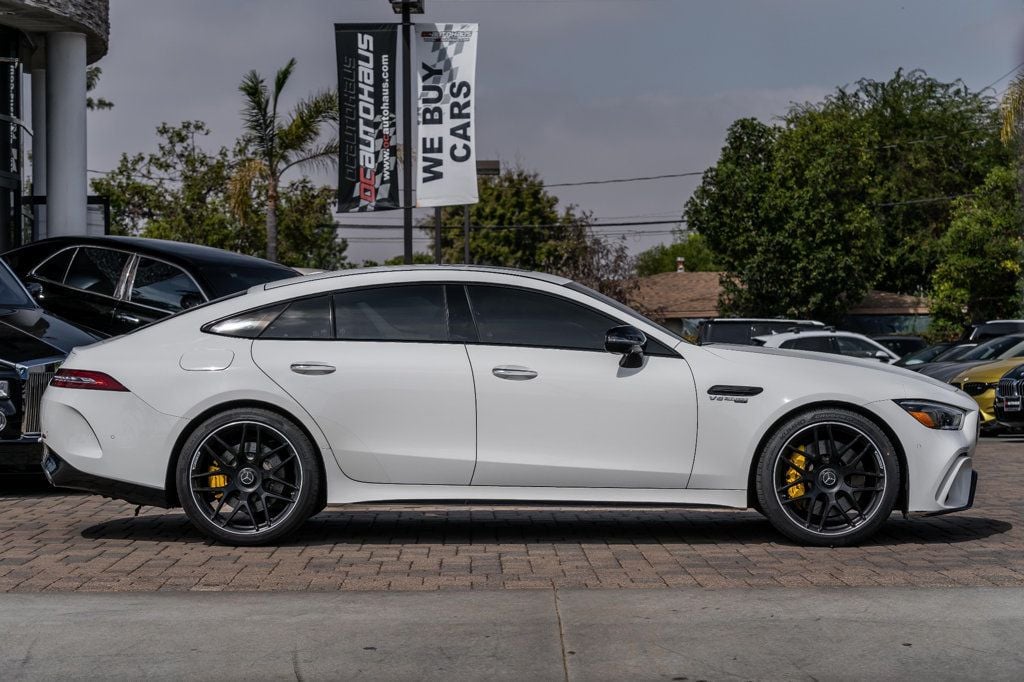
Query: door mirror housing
x=35, y=290
x=629, y=342
x=882, y=356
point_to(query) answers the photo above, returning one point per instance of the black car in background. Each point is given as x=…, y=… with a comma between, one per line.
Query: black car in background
x=112, y=285
x=32, y=344
x=1009, y=401
x=743, y=330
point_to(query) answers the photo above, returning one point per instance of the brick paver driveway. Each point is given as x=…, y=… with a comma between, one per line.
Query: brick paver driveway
x=53, y=541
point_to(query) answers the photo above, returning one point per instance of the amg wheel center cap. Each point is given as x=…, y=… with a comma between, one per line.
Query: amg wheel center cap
x=247, y=477
x=828, y=478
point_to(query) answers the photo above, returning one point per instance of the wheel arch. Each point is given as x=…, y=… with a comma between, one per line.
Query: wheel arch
x=901, y=499
x=170, y=485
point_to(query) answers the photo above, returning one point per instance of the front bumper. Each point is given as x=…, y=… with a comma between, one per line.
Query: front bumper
x=970, y=499
x=63, y=475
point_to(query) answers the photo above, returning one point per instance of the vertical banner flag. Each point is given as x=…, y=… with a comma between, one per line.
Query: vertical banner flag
x=367, y=62
x=446, y=154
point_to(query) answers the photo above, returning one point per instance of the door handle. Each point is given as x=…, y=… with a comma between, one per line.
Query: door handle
x=313, y=368
x=125, y=317
x=514, y=373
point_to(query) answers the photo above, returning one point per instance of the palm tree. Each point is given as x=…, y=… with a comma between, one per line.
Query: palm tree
x=1012, y=109
x=278, y=143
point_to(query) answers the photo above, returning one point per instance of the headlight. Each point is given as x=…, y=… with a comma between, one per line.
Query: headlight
x=5, y=390
x=976, y=388
x=934, y=415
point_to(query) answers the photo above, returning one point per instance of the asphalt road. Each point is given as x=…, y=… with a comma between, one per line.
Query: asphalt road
x=685, y=634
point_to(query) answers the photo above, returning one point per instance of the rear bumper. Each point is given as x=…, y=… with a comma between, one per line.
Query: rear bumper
x=63, y=475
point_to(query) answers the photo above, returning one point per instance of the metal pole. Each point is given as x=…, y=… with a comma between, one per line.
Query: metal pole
x=437, y=235
x=465, y=231
x=407, y=131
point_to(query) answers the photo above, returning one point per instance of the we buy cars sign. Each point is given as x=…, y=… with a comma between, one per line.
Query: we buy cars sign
x=446, y=111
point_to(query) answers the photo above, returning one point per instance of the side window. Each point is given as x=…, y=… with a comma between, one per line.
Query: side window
x=517, y=317
x=164, y=286
x=56, y=267
x=818, y=344
x=854, y=347
x=398, y=313
x=307, y=318
x=96, y=270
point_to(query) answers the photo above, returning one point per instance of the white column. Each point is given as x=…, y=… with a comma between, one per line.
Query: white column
x=39, y=147
x=65, y=130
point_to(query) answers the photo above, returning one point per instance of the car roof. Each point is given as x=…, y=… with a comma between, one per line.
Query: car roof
x=181, y=253
x=483, y=269
x=805, y=334
x=764, y=319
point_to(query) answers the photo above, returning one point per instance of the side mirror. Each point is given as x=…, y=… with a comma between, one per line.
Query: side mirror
x=190, y=301
x=629, y=342
x=882, y=356
x=35, y=290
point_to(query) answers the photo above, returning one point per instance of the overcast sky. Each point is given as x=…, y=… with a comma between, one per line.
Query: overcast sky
x=574, y=89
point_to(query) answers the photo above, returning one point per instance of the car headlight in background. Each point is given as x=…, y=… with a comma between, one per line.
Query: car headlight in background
x=934, y=415
x=5, y=390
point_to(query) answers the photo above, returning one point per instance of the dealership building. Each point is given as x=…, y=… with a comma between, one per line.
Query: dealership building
x=52, y=41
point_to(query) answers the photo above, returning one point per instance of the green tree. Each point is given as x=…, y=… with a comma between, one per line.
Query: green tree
x=279, y=143
x=933, y=140
x=517, y=224
x=693, y=247
x=92, y=81
x=785, y=210
x=979, y=274
x=180, y=192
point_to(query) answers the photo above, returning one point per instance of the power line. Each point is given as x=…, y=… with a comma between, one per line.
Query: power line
x=636, y=179
x=1008, y=73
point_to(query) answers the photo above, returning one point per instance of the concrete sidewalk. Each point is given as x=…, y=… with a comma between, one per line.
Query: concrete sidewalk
x=685, y=634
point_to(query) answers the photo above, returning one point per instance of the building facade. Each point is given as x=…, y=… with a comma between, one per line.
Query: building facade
x=53, y=41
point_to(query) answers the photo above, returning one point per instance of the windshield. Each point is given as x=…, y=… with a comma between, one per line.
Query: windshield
x=12, y=294
x=621, y=307
x=993, y=349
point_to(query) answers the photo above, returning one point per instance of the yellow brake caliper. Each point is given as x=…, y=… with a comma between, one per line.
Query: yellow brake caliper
x=220, y=480
x=792, y=476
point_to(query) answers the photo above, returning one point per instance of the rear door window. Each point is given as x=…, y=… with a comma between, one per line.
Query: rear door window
x=164, y=286
x=307, y=318
x=96, y=270
x=398, y=313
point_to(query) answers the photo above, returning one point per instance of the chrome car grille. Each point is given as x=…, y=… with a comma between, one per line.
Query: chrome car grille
x=34, y=386
x=1008, y=388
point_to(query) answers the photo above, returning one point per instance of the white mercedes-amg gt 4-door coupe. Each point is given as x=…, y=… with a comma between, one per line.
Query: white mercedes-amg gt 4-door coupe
x=454, y=383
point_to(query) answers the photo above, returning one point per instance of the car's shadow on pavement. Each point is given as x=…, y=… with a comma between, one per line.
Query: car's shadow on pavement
x=546, y=526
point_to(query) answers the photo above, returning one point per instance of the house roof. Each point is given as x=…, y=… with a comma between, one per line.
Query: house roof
x=678, y=295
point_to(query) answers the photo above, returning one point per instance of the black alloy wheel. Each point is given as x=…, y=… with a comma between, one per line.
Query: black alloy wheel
x=248, y=477
x=828, y=477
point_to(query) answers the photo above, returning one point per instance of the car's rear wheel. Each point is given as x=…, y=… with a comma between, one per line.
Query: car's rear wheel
x=248, y=477
x=828, y=477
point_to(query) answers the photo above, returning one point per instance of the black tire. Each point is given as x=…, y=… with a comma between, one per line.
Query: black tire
x=846, y=487
x=248, y=476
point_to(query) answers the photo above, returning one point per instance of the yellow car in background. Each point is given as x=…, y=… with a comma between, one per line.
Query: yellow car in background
x=980, y=383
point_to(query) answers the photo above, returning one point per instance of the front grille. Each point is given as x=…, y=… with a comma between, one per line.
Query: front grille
x=974, y=388
x=1008, y=388
x=37, y=381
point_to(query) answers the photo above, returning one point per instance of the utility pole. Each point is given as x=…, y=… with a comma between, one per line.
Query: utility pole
x=407, y=8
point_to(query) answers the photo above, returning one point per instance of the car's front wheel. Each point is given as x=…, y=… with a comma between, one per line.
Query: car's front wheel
x=828, y=477
x=248, y=477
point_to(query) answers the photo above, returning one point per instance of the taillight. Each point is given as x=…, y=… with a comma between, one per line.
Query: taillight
x=84, y=378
